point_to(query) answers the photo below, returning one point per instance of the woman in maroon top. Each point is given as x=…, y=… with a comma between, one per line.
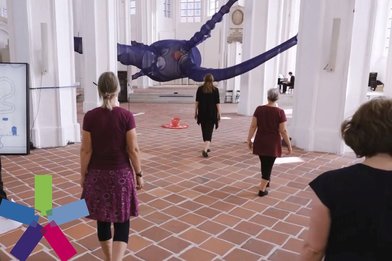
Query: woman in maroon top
x=269, y=123
x=109, y=146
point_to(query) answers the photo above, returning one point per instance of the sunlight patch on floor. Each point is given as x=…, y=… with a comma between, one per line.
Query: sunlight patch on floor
x=284, y=160
x=139, y=113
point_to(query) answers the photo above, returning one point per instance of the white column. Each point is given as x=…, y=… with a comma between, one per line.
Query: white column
x=388, y=73
x=124, y=36
x=224, y=53
x=379, y=54
x=273, y=39
x=19, y=25
x=41, y=34
x=322, y=76
x=289, y=27
x=146, y=30
x=65, y=65
x=233, y=57
x=253, y=91
x=360, y=57
x=99, y=33
x=79, y=58
x=123, y=20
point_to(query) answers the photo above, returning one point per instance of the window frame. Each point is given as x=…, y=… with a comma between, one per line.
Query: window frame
x=190, y=11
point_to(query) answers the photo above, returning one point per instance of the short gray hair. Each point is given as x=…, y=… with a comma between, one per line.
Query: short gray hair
x=273, y=94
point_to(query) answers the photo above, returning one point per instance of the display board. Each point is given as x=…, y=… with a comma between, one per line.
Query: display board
x=14, y=109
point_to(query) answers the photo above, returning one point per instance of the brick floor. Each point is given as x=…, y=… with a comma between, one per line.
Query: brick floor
x=192, y=208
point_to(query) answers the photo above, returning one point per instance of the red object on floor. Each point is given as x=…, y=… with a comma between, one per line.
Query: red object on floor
x=169, y=126
x=175, y=124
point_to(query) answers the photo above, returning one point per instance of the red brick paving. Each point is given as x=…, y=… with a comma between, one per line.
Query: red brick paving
x=192, y=208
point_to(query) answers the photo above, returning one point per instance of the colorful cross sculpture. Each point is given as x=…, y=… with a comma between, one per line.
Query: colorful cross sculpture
x=52, y=232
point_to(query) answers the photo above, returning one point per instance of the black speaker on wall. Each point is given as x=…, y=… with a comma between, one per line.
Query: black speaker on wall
x=372, y=80
x=123, y=81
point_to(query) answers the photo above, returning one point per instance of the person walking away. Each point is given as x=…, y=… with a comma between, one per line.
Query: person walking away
x=269, y=124
x=110, y=164
x=207, y=110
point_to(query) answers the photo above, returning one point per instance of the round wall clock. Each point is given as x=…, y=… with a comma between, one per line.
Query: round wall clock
x=237, y=17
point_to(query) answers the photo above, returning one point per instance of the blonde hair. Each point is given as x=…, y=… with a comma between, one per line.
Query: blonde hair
x=108, y=88
x=208, y=85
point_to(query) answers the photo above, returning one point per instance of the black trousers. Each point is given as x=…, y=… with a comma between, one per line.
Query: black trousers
x=285, y=87
x=121, y=231
x=267, y=163
x=206, y=130
x=2, y=192
x=1, y=179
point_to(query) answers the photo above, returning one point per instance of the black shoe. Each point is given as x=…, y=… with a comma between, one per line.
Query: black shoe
x=3, y=195
x=263, y=193
x=208, y=150
x=205, y=154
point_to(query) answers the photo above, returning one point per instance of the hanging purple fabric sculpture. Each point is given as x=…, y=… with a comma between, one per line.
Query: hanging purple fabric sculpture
x=168, y=60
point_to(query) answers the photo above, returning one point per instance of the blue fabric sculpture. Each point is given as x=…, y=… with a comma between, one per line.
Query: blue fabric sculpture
x=168, y=60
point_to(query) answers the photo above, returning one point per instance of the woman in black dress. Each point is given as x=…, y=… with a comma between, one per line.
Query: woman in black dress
x=351, y=216
x=207, y=110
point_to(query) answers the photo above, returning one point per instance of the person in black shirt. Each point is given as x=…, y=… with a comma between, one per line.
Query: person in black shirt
x=351, y=216
x=289, y=83
x=207, y=110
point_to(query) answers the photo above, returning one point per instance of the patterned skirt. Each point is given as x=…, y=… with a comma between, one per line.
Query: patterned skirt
x=110, y=195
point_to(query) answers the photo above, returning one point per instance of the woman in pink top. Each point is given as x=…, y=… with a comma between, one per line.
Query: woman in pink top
x=269, y=124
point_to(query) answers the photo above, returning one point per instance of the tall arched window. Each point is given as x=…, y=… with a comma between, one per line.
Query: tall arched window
x=190, y=11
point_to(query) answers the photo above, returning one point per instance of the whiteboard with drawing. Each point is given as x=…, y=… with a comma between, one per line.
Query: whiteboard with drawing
x=14, y=120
